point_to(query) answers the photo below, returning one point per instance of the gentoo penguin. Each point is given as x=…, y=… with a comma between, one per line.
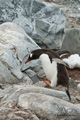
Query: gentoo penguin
x=53, y=66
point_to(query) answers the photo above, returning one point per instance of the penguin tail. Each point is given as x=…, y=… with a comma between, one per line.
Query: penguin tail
x=67, y=92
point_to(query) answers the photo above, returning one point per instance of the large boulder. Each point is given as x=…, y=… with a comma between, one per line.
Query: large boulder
x=13, y=92
x=49, y=107
x=44, y=22
x=72, y=40
x=14, y=45
x=44, y=102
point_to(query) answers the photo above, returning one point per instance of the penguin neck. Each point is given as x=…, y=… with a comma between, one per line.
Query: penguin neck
x=45, y=59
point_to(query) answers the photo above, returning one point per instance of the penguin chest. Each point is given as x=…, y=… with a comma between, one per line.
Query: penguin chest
x=50, y=69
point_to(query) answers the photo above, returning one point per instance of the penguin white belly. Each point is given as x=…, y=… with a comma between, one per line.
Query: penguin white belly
x=50, y=69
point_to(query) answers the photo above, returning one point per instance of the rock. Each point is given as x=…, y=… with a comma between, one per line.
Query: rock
x=78, y=98
x=78, y=88
x=32, y=75
x=40, y=84
x=71, y=41
x=77, y=81
x=13, y=92
x=42, y=21
x=14, y=45
x=7, y=77
x=16, y=114
x=14, y=117
x=75, y=16
x=72, y=83
x=39, y=70
x=26, y=80
x=56, y=1
x=49, y=107
x=17, y=101
x=22, y=114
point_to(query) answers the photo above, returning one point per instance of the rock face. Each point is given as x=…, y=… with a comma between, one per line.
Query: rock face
x=72, y=40
x=14, y=45
x=44, y=22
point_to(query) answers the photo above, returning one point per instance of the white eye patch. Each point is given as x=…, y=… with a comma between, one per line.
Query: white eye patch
x=31, y=55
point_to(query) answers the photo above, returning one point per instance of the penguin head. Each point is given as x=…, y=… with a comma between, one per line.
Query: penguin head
x=35, y=54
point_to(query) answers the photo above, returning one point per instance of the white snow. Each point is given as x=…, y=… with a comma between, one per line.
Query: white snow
x=73, y=61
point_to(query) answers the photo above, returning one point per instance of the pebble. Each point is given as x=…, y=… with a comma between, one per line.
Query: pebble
x=78, y=88
x=78, y=98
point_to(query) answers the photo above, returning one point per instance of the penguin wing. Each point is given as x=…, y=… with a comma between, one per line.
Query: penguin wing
x=59, y=61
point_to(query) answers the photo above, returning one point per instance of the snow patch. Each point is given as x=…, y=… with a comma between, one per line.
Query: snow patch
x=73, y=61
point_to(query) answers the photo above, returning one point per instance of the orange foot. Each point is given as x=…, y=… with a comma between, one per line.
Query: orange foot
x=47, y=79
x=48, y=83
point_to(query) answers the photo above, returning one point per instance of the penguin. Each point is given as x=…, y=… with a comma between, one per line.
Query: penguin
x=53, y=66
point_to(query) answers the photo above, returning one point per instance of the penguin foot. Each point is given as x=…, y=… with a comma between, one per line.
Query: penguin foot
x=47, y=79
x=48, y=83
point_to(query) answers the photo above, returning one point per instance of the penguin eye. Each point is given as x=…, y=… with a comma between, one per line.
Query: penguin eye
x=31, y=55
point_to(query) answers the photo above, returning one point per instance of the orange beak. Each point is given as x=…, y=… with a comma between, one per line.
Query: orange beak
x=27, y=61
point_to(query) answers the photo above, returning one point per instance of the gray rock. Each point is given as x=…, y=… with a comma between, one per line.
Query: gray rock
x=78, y=88
x=14, y=45
x=39, y=70
x=12, y=116
x=78, y=98
x=13, y=92
x=57, y=1
x=32, y=75
x=75, y=16
x=44, y=22
x=16, y=114
x=40, y=84
x=49, y=107
x=72, y=40
x=6, y=76
x=26, y=80
x=16, y=102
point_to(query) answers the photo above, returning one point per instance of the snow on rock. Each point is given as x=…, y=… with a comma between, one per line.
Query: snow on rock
x=73, y=61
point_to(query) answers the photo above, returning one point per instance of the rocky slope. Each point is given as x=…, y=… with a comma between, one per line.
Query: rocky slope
x=71, y=9
x=22, y=95
x=43, y=22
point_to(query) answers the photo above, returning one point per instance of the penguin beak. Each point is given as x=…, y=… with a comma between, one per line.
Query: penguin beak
x=27, y=61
